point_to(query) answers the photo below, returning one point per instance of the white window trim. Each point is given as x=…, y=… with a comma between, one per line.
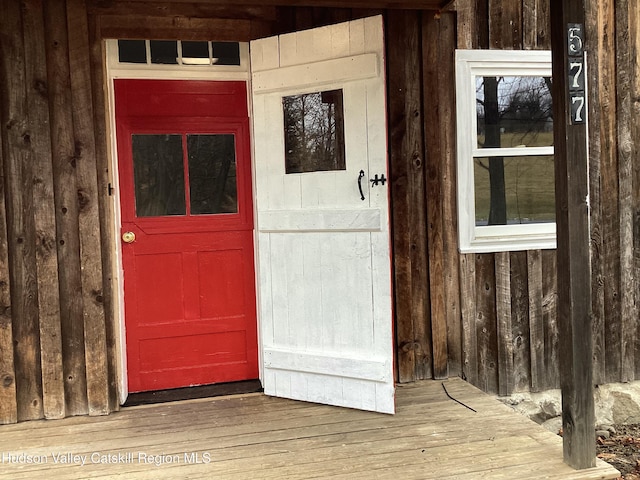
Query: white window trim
x=175, y=71
x=494, y=238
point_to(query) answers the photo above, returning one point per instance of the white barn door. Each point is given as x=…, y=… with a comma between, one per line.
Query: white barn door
x=323, y=226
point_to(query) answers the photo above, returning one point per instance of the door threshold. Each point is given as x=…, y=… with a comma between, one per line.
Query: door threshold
x=190, y=393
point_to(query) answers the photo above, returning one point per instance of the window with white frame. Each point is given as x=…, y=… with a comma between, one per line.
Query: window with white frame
x=506, y=193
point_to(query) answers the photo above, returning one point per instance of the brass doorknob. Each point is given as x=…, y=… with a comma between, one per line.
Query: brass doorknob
x=128, y=237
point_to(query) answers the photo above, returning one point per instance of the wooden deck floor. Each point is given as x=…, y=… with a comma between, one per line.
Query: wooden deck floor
x=258, y=437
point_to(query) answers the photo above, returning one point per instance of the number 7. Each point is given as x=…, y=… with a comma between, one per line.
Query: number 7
x=578, y=115
x=576, y=77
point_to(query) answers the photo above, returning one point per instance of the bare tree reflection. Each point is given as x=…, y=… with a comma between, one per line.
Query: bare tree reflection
x=314, y=132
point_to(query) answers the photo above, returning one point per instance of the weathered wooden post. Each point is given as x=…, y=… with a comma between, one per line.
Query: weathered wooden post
x=570, y=99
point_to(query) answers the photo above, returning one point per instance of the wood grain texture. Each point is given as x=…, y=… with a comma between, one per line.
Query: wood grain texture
x=610, y=189
x=413, y=330
x=362, y=4
x=178, y=28
x=486, y=322
x=270, y=438
x=574, y=275
x=105, y=205
x=550, y=318
x=468, y=313
x=21, y=236
x=505, y=24
x=467, y=24
x=627, y=153
x=65, y=154
x=543, y=40
x=8, y=400
x=182, y=9
x=530, y=24
x=520, y=322
x=536, y=321
x=634, y=85
x=44, y=213
x=88, y=209
x=446, y=75
x=595, y=192
x=535, y=25
x=504, y=331
x=435, y=87
x=483, y=24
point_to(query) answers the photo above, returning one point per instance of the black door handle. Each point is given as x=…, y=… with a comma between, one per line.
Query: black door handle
x=360, y=177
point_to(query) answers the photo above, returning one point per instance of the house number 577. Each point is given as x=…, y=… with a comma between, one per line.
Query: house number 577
x=576, y=80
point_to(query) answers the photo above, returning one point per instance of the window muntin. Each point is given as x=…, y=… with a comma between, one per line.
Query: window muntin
x=164, y=186
x=178, y=52
x=506, y=198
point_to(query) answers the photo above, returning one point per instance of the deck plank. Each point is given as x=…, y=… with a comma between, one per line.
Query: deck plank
x=254, y=436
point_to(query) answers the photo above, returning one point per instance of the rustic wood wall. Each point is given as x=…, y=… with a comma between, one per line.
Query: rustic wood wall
x=509, y=300
x=614, y=81
x=54, y=337
x=57, y=327
x=488, y=317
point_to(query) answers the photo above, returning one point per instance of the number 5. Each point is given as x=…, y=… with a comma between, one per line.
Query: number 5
x=575, y=40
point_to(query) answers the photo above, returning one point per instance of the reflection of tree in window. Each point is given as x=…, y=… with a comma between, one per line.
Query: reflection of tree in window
x=512, y=112
x=158, y=175
x=212, y=174
x=314, y=132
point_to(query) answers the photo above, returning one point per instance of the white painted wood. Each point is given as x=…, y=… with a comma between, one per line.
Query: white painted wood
x=298, y=78
x=324, y=269
x=366, y=219
x=335, y=365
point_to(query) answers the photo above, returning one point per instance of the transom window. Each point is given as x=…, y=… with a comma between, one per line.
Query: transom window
x=178, y=52
x=506, y=195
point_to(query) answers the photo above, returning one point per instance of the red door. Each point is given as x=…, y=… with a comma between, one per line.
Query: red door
x=187, y=232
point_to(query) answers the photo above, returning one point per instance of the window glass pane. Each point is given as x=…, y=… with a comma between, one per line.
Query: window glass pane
x=132, y=51
x=158, y=172
x=514, y=190
x=164, y=51
x=212, y=174
x=195, y=53
x=314, y=132
x=226, y=53
x=195, y=49
x=514, y=112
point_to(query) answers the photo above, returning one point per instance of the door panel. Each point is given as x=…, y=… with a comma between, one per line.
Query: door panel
x=324, y=272
x=185, y=191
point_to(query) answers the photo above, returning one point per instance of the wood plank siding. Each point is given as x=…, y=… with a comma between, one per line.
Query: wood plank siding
x=528, y=358
x=490, y=318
